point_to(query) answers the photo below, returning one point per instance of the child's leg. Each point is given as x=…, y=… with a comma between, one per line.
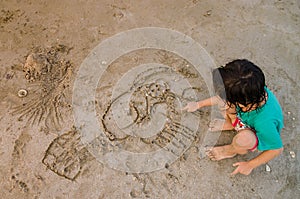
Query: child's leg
x=241, y=144
x=229, y=114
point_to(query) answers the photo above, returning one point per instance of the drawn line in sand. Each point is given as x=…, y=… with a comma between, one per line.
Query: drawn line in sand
x=66, y=156
x=144, y=99
x=143, y=94
x=48, y=74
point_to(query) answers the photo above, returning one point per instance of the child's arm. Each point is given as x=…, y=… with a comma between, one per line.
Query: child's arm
x=193, y=106
x=246, y=167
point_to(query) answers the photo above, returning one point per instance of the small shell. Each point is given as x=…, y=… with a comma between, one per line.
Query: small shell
x=292, y=154
x=293, y=118
x=288, y=112
x=208, y=13
x=268, y=168
x=103, y=62
x=22, y=93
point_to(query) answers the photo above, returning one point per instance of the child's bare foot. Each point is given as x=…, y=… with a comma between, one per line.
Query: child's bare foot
x=220, y=152
x=219, y=125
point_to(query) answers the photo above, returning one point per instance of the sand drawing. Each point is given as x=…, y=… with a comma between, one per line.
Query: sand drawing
x=48, y=74
x=66, y=156
x=153, y=88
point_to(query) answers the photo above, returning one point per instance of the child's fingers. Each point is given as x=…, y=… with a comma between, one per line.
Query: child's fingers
x=236, y=164
x=236, y=171
x=185, y=108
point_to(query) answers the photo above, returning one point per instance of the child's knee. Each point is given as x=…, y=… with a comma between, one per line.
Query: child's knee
x=245, y=138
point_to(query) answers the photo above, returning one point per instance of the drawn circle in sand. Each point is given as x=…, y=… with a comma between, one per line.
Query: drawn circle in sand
x=146, y=108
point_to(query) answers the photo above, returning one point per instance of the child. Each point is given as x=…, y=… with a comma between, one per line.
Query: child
x=250, y=108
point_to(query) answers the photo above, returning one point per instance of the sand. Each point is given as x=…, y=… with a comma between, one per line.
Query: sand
x=46, y=153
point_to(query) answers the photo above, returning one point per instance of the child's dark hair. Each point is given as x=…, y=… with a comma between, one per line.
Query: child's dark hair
x=244, y=83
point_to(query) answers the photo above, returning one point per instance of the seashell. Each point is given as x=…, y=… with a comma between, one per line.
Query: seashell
x=22, y=93
x=292, y=154
x=268, y=168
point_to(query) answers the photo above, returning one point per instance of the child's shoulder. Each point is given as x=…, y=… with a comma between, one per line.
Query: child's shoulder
x=272, y=103
x=271, y=111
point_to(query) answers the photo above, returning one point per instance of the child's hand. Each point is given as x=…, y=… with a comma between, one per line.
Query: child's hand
x=191, y=106
x=242, y=168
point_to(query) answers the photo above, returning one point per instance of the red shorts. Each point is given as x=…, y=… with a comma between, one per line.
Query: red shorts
x=239, y=125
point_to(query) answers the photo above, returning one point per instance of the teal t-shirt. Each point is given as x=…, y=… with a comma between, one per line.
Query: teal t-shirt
x=267, y=121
